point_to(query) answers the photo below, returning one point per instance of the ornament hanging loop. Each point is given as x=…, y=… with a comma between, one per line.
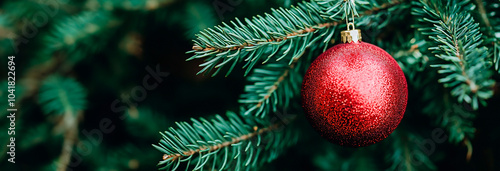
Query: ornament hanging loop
x=350, y=24
x=350, y=35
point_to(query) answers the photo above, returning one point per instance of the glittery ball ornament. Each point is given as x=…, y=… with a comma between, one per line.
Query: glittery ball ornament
x=354, y=94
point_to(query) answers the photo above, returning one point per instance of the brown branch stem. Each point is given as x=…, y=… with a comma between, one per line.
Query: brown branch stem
x=473, y=86
x=70, y=124
x=235, y=140
x=468, y=144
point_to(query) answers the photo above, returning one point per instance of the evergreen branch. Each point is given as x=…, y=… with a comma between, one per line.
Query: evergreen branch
x=271, y=87
x=457, y=119
x=62, y=95
x=212, y=148
x=456, y=39
x=282, y=32
x=223, y=141
x=67, y=97
x=276, y=40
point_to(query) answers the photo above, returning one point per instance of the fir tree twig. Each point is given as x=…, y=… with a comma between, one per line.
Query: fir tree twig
x=66, y=97
x=236, y=143
x=456, y=38
x=271, y=87
x=282, y=32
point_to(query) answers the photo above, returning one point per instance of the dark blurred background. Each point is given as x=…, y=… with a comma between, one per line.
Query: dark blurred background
x=107, y=46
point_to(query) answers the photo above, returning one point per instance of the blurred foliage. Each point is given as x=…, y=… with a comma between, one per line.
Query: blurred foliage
x=96, y=80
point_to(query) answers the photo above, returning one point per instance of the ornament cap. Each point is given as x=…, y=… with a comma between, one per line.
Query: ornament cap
x=350, y=35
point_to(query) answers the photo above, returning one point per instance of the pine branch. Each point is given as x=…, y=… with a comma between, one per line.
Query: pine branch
x=272, y=87
x=62, y=95
x=66, y=97
x=457, y=119
x=275, y=35
x=456, y=39
x=230, y=144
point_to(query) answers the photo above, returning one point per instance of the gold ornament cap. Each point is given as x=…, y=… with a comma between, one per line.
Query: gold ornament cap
x=350, y=35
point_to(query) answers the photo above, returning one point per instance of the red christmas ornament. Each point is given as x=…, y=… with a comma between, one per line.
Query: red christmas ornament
x=354, y=94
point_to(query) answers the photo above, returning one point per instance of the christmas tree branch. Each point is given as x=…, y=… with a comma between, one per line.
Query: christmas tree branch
x=456, y=119
x=59, y=95
x=248, y=141
x=66, y=98
x=282, y=32
x=271, y=87
x=456, y=39
x=273, y=39
x=233, y=141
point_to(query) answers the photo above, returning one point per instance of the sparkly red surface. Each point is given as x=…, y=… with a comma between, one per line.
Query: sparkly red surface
x=354, y=94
